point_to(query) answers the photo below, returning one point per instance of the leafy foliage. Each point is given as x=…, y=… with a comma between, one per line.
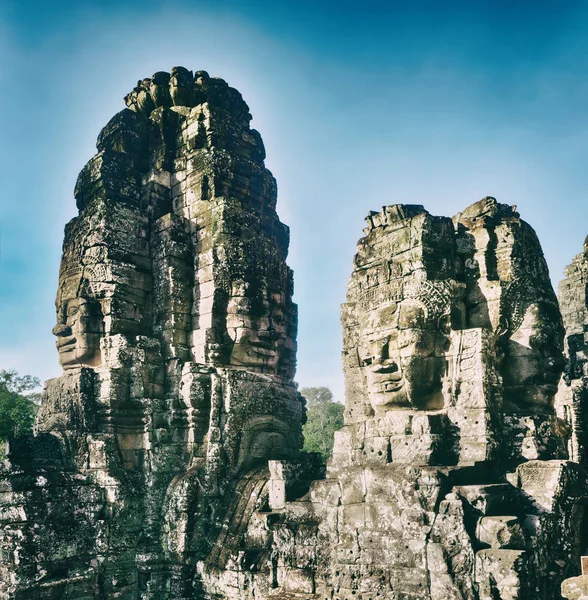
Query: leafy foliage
x=324, y=418
x=317, y=395
x=17, y=408
x=18, y=383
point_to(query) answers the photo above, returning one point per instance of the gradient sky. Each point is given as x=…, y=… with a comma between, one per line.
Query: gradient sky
x=360, y=104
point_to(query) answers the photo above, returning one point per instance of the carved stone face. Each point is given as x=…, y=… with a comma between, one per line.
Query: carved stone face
x=264, y=438
x=144, y=100
x=533, y=362
x=159, y=89
x=79, y=328
x=401, y=353
x=267, y=444
x=181, y=84
x=257, y=329
x=181, y=77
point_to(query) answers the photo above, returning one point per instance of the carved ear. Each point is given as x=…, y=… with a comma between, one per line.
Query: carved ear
x=444, y=324
x=503, y=327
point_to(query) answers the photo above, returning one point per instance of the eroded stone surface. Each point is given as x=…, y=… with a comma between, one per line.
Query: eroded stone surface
x=166, y=459
x=450, y=478
x=575, y=588
x=176, y=331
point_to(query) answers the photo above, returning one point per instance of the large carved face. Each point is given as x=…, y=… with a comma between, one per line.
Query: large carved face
x=533, y=361
x=181, y=85
x=80, y=324
x=264, y=438
x=257, y=328
x=402, y=354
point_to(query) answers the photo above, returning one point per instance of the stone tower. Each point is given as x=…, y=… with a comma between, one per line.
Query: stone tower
x=176, y=332
x=572, y=398
x=450, y=479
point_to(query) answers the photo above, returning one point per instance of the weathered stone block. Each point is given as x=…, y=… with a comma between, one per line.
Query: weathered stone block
x=501, y=532
x=499, y=570
x=575, y=588
x=541, y=479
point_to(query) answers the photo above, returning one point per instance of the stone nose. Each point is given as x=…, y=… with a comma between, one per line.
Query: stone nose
x=270, y=335
x=386, y=365
x=61, y=330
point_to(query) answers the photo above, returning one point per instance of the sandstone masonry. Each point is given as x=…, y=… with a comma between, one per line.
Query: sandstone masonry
x=166, y=462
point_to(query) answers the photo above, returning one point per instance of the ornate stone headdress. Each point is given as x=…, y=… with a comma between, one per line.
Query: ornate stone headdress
x=436, y=296
x=516, y=296
x=90, y=276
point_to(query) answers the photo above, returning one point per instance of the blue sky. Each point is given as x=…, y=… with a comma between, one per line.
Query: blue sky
x=360, y=104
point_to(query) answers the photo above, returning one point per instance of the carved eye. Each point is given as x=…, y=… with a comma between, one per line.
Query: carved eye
x=444, y=324
x=72, y=310
x=365, y=358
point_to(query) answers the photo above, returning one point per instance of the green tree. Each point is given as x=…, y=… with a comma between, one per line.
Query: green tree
x=324, y=418
x=17, y=408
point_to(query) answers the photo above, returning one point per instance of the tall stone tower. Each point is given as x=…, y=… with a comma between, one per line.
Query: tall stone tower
x=176, y=332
